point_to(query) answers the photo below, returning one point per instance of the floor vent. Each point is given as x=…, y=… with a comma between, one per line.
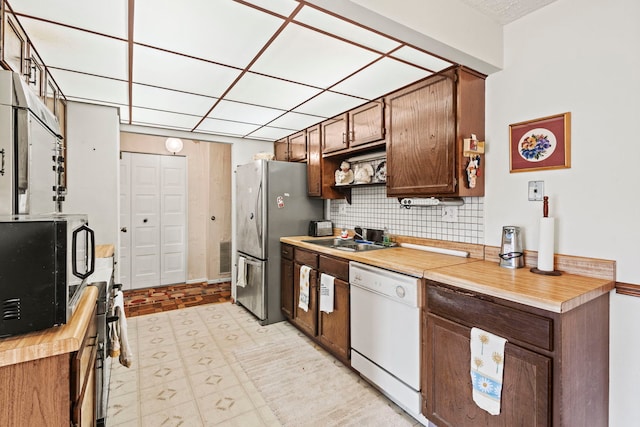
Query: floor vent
x=225, y=257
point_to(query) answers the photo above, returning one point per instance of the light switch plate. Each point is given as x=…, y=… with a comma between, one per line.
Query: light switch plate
x=536, y=190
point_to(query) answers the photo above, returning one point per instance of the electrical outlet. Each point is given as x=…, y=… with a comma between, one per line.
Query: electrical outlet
x=450, y=214
x=536, y=190
x=342, y=209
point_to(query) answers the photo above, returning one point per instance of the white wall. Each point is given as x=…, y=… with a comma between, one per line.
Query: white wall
x=93, y=146
x=580, y=56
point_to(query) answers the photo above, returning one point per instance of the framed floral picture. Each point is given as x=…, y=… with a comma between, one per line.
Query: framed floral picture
x=540, y=144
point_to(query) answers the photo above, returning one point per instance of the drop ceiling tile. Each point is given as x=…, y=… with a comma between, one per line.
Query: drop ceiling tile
x=148, y=117
x=170, y=100
x=296, y=121
x=270, y=133
x=228, y=110
x=282, y=7
x=225, y=127
x=315, y=18
x=306, y=56
x=381, y=78
x=167, y=70
x=270, y=92
x=91, y=88
x=422, y=59
x=329, y=104
x=63, y=47
x=105, y=17
x=219, y=30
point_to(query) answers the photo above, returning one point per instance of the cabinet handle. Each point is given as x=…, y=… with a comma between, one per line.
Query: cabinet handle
x=2, y=165
x=344, y=137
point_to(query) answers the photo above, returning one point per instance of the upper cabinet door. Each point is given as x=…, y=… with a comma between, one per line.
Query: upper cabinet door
x=366, y=124
x=314, y=167
x=281, y=150
x=422, y=139
x=298, y=146
x=14, y=44
x=334, y=134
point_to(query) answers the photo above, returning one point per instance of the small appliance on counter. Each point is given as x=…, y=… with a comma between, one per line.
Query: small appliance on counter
x=319, y=228
x=511, y=251
x=45, y=262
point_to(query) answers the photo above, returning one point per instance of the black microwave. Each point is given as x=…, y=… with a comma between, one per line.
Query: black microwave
x=44, y=263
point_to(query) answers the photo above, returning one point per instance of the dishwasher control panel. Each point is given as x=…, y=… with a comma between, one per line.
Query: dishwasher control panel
x=390, y=284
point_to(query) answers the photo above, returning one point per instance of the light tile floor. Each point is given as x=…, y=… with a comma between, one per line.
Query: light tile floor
x=184, y=372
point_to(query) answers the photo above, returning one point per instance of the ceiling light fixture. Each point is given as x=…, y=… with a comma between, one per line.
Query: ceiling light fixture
x=173, y=145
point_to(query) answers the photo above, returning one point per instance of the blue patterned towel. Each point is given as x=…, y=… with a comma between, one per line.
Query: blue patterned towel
x=487, y=366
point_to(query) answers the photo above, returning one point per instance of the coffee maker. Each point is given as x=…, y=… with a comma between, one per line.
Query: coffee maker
x=511, y=252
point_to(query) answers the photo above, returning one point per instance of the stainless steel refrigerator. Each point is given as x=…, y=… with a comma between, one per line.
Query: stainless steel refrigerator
x=271, y=202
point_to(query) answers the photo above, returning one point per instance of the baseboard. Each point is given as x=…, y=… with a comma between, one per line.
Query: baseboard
x=203, y=280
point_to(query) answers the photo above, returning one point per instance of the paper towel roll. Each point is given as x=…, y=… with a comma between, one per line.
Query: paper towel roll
x=546, y=244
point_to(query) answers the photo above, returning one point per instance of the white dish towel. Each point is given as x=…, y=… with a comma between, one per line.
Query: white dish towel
x=118, y=338
x=326, y=293
x=241, y=281
x=303, y=300
x=487, y=367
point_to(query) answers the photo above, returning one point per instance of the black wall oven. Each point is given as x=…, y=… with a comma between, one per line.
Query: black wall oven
x=44, y=263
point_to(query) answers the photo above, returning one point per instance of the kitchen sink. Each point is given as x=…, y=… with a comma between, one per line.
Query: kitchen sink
x=349, y=245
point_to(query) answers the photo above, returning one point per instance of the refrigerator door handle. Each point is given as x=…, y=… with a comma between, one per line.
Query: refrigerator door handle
x=259, y=213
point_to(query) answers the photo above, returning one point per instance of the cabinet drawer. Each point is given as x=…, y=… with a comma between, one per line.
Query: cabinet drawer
x=286, y=251
x=334, y=267
x=472, y=309
x=306, y=257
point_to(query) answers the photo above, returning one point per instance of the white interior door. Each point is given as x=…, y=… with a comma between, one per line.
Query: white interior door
x=125, y=221
x=153, y=249
x=173, y=219
x=145, y=220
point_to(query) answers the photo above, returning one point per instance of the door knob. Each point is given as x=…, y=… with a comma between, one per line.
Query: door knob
x=213, y=217
x=145, y=220
x=123, y=229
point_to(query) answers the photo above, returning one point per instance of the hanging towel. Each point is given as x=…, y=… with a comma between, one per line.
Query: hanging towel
x=241, y=281
x=487, y=366
x=303, y=301
x=118, y=333
x=326, y=293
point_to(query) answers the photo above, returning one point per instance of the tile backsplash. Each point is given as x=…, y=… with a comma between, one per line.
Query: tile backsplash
x=371, y=208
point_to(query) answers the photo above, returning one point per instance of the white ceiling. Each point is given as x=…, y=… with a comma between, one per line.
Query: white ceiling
x=259, y=69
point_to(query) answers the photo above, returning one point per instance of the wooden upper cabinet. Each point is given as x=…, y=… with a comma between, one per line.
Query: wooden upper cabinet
x=334, y=134
x=14, y=44
x=426, y=124
x=35, y=74
x=314, y=162
x=366, y=124
x=421, y=143
x=281, y=150
x=298, y=146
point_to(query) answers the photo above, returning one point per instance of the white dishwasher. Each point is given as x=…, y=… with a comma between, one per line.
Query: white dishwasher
x=385, y=333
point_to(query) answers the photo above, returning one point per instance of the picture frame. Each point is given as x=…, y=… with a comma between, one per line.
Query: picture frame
x=540, y=144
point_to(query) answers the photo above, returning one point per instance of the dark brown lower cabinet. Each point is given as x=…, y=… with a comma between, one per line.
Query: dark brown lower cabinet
x=525, y=393
x=286, y=281
x=330, y=330
x=333, y=328
x=556, y=365
x=306, y=320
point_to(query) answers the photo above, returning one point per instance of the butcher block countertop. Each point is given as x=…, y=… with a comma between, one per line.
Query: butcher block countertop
x=553, y=293
x=53, y=341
